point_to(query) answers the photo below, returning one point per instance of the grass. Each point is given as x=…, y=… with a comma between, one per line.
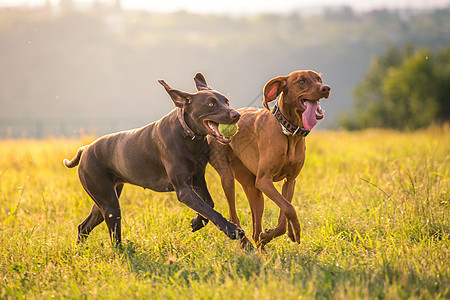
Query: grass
x=373, y=205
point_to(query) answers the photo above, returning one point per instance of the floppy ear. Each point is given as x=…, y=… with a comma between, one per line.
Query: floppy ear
x=179, y=98
x=273, y=89
x=200, y=82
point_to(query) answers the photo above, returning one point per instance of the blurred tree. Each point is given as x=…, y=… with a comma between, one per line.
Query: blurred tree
x=101, y=64
x=403, y=89
x=410, y=93
x=442, y=74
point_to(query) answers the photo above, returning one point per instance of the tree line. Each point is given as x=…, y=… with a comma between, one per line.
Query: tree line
x=405, y=88
x=84, y=66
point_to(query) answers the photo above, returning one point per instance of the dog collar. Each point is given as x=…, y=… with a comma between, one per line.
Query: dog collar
x=186, y=130
x=287, y=127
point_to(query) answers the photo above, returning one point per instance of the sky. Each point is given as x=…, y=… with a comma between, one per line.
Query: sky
x=250, y=6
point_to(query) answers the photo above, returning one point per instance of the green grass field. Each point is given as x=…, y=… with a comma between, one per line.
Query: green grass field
x=373, y=206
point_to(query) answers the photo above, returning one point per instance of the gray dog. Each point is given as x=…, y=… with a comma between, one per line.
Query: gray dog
x=167, y=155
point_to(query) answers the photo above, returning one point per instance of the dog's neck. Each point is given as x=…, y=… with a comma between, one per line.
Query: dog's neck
x=291, y=112
x=196, y=143
x=186, y=123
x=287, y=126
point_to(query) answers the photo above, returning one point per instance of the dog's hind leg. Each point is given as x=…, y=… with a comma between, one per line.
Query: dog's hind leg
x=98, y=184
x=119, y=188
x=94, y=219
x=221, y=160
x=255, y=199
x=228, y=186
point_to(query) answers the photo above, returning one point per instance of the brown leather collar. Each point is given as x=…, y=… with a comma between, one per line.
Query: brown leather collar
x=186, y=130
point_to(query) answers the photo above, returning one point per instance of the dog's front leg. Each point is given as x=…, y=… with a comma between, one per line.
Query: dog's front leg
x=288, y=193
x=201, y=189
x=265, y=184
x=189, y=197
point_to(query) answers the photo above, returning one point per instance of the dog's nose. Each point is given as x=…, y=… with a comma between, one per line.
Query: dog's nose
x=235, y=115
x=325, y=89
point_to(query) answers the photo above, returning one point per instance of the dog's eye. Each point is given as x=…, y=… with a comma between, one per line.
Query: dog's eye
x=302, y=81
x=211, y=104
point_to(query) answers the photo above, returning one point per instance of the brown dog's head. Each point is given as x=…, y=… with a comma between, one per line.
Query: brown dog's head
x=205, y=109
x=302, y=91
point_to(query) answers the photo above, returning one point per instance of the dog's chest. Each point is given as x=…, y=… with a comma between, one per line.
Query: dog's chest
x=294, y=158
x=199, y=150
x=296, y=148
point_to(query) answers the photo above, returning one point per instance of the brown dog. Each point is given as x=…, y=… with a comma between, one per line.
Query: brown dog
x=270, y=146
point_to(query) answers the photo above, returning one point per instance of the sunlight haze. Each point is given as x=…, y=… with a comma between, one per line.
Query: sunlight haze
x=249, y=7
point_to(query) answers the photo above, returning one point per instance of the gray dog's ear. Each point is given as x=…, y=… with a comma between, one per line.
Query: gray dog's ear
x=200, y=82
x=179, y=98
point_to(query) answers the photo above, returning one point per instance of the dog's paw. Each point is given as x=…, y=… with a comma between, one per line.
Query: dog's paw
x=245, y=244
x=198, y=223
x=262, y=248
x=294, y=235
x=266, y=236
x=294, y=238
x=241, y=234
x=235, y=233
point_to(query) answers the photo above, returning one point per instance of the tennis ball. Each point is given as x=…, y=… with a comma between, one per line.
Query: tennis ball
x=228, y=130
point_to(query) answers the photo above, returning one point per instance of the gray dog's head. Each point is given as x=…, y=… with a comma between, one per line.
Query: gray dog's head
x=205, y=109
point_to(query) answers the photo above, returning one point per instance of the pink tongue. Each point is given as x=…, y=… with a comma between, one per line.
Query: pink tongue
x=309, y=115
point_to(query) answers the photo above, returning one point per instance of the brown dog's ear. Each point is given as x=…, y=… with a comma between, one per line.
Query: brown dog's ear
x=273, y=89
x=179, y=98
x=200, y=82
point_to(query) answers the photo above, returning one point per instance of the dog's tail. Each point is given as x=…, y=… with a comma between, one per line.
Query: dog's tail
x=74, y=162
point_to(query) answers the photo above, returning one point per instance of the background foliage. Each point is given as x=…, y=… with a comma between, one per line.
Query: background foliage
x=97, y=68
x=405, y=88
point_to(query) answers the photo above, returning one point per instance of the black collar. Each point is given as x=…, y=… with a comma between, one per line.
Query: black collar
x=186, y=130
x=288, y=127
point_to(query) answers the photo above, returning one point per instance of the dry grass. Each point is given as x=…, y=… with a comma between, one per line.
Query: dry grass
x=373, y=206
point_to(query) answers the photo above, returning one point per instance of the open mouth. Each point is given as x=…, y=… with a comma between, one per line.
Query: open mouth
x=311, y=112
x=213, y=129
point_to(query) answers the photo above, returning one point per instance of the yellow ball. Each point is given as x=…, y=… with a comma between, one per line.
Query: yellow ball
x=228, y=130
